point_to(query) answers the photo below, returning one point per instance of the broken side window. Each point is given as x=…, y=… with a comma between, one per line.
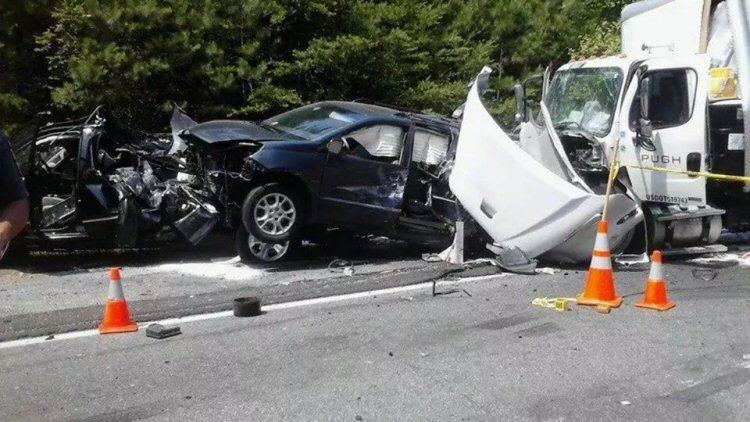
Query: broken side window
x=382, y=143
x=430, y=147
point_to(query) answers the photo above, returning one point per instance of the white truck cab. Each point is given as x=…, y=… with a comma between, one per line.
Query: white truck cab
x=673, y=103
x=652, y=102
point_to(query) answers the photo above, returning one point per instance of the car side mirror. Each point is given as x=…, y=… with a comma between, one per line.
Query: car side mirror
x=336, y=146
x=520, y=95
x=644, y=89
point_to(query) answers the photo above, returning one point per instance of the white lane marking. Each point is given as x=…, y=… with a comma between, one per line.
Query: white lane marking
x=43, y=339
x=267, y=308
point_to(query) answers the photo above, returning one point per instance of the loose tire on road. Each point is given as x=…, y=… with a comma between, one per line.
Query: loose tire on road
x=251, y=249
x=246, y=307
x=273, y=213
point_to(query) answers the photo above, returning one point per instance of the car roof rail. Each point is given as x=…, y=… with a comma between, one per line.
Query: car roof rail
x=379, y=104
x=405, y=111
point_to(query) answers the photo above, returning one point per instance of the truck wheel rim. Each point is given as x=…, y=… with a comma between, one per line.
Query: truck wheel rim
x=267, y=252
x=275, y=214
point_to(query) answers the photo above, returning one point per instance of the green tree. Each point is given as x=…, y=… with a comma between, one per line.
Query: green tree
x=23, y=71
x=251, y=58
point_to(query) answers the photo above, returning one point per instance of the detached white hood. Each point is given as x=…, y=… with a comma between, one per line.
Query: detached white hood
x=517, y=200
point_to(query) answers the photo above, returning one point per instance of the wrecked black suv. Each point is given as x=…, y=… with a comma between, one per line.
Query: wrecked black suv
x=92, y=180
x=351, y=166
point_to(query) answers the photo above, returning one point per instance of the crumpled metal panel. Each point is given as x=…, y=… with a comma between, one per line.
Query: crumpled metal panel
x=518, y=201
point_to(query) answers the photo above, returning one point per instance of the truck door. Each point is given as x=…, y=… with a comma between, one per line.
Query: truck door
x=363, y=181
x=663, y=125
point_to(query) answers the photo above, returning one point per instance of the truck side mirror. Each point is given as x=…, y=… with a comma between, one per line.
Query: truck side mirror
x=520, y=103
x=645, y=128
x=644, y=91
x=694, y=162
x=336, y=146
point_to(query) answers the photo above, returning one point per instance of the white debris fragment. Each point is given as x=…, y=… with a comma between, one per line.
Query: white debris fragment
x=726, y=258
x=625, y=403
x=224, y=260
x=232, y=269
x=547, y=270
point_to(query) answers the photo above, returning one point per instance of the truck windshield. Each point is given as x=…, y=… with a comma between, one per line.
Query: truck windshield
x=313, y=121
x=584, y=100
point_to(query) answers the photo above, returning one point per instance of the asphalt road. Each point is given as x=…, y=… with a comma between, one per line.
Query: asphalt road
x=482, y=352
x=55, y=293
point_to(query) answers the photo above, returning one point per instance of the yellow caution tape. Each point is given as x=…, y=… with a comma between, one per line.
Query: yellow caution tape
x=707, y=175
x=559, y=304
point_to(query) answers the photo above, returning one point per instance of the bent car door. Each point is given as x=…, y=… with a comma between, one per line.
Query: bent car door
x=364, y=183
x=676, y=113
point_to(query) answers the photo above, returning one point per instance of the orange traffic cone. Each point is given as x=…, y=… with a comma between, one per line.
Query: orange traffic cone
x=600, y=282
x=655, y=296
x=116, y=313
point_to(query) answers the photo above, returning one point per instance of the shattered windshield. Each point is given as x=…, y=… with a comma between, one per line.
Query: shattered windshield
x=313, y=121
x=584, y=100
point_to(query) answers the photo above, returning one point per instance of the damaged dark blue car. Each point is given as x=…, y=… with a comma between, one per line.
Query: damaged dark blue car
x=355, y=166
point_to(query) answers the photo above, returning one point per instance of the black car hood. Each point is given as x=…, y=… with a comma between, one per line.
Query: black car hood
x=218, y=131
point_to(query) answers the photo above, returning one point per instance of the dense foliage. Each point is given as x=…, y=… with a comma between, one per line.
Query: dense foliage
x=251, y=58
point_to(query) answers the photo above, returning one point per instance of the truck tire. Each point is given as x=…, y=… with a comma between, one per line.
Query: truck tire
x=273, y=213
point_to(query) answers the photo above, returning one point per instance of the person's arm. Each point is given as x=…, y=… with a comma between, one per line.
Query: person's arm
x=13, y=220
x=14, y=207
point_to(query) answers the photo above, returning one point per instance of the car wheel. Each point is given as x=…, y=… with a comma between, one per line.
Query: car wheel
x=250, y=249
x=273, y=213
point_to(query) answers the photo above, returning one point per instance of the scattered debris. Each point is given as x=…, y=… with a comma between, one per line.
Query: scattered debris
x=722, y=260
x=603, y=309
x=342, y=266
x=704, y=274
x=631, y=261
x=431, y=257
x=547, y=270
x=50, y=338
x=513, y=260
x=159, y=331
x=247, y=307
x=560, y=304
x=232, y=269
x=625, y=403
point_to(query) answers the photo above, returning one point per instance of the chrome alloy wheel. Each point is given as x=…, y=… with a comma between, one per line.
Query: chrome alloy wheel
x=267, y=252
x=275, y=214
